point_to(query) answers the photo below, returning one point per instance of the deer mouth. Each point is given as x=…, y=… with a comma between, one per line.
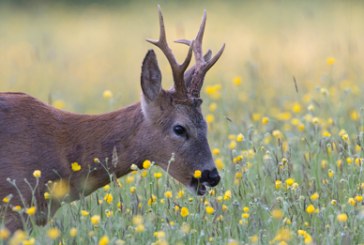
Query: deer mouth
x=199, y=188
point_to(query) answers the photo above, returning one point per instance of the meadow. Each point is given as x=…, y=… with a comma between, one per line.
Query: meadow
x=284, y=106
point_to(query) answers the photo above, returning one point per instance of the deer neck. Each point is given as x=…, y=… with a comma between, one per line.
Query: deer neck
x=106, y=146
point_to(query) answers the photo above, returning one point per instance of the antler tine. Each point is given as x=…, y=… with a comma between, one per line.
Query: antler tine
x=216, y=57
x=203, y=62
x=198, y=41
x=177, y=69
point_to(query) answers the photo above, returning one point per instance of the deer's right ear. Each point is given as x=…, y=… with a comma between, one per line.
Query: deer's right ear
x=151, y=77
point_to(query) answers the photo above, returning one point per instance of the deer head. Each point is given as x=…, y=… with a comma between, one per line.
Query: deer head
x=175, y=114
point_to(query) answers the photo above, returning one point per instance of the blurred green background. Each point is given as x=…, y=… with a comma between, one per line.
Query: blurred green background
x=72, y=51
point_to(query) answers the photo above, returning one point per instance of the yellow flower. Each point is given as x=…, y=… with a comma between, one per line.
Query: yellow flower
x=237, y=159
x=59, y=189
x=53, y=233
x=237, y=80
x=284, y=116
x=245, y=209
x=283, y=235
x=210, y=118
x=240, y=137
x=180, y=194
x=184, y=212
x=296, y=107
x=301, y=232
x=18, y=237
x=278, y=184
x=197, y=174
x=4, y=233
x=108, y=198
x=132, y=189
x=104, y=240
x=343, y=217
x=75, y=167
x=95, y=219
x=349, y=160
x=339, y=163
x=265, y=120
x=7, y=199
x=333, y=202
x=345, y=137
x=139, y=228
x=232, y=145
x=254, y=239
x=152, y=200
x=314, y=196
x=84, y=213
x=330, y=60
x=358, y=198
x=16, y=208
x=134, y=167
x=310, y=209
x=215, y=151
x=168, y=194
x=256, y=117
x=245, y=215
x=219, y=164
x=289, y=182
x=210, y=210
x=37, y=174
x=58, y=104
x=30, y=241
x=308, y=239
x=213, y=91
x=107, y=94
x=108, y=213
x=158, y=175
x=277, y=134
x=159, y=234
x=129, y=179
x=137, y=220
x=212, y=107
x=46, y=195
x=354, y=115
x=227, y=195
x=277, y=213
x=147, y=164
x=238, y=175
x=73, y=232
x=352, y=201
x=326, y=133
x=31, y=211
x=316, y=120
x=330, y=173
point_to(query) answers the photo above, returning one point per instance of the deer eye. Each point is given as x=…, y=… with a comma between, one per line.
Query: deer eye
x=179, y=130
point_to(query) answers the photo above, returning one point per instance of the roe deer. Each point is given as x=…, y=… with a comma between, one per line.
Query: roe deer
x=36, y=136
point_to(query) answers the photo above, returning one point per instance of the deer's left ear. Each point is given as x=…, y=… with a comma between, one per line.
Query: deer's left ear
x=151, y=77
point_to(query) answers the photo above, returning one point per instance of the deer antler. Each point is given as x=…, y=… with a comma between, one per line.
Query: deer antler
x=203, y=62
x=178, y=70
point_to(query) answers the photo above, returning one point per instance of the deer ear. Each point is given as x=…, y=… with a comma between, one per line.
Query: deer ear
x=151, y=77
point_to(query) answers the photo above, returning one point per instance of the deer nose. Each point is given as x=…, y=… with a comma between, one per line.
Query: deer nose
x=211, y=177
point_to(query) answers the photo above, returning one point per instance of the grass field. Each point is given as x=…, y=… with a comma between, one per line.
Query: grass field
x=284, y=104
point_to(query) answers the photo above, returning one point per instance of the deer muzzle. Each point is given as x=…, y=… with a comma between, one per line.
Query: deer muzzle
x=208, y=178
